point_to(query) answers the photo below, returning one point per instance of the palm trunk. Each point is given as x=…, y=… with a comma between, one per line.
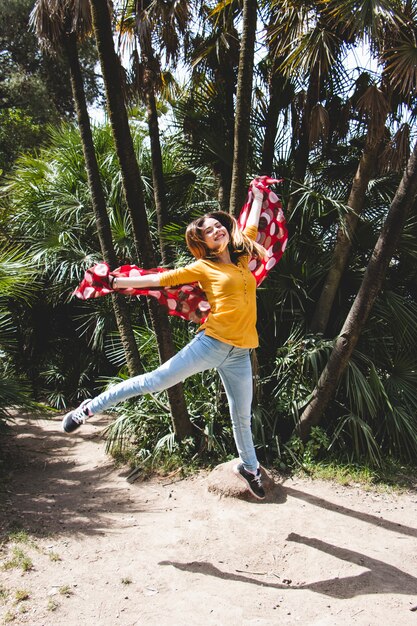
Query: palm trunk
x=302, y=150
x=272, y=114
x=243, y=107
x=111, y=69
x=364, y=301
x=226, y=74
x=120, y=307
x=223, y=175
x=157, y=171
x=344, y=240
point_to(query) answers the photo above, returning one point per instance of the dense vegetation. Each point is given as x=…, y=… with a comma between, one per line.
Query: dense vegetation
x=337, y=364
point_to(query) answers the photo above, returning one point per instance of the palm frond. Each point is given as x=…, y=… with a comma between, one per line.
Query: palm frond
x=360, y=390
x=366, y=18
x=17, y=274
x=14, y=393
x=397, y=151
x=373, y=106
x=319, y=124
x=399, y=313
x=49, y=20
x=355, y=434
x=401, y=67
x=318, y=48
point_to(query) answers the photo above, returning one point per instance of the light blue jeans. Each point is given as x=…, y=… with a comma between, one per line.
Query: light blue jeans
x=202, y=353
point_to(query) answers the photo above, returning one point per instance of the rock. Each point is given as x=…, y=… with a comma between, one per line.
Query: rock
x=224, y=482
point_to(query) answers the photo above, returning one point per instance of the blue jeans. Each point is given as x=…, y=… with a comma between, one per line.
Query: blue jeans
x=202, y=353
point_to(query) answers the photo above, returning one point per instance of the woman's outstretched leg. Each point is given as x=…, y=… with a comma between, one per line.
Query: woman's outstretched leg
x=200, y=354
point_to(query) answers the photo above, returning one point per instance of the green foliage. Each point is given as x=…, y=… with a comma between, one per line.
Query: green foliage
x=48, y=208
x=16, y=284
x=18, y=535
x=35, y=88
x=373, y=411
x=3, y=594
x=21, y=595
x=297, y=454
x=64, y=343
x=52, y=605
x=205, y=125
x=18, y=132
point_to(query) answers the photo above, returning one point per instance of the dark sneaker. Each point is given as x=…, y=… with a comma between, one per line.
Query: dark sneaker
x=252, y=481
x=75, y=418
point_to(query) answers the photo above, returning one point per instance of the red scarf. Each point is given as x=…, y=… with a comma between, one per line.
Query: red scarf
x=189, y=301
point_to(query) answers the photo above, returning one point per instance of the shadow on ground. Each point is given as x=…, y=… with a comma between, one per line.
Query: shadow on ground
x=360, y=515
x=379, y=577
x=45, y=488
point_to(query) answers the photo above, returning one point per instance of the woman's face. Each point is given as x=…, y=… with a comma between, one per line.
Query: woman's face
x=215, y=234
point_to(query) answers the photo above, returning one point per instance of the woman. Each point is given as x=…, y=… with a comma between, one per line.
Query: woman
x=223, y=341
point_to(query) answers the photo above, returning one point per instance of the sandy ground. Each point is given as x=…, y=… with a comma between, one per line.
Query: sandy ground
x=170, y=552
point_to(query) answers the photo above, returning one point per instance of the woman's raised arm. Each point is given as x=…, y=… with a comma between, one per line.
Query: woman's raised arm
x=256, y=207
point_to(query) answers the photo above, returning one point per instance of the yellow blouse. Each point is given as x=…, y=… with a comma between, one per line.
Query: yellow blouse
x=231, y=293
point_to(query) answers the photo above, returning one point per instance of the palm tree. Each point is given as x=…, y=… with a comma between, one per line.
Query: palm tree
x=160, y=24
x=48, y=208
x=388, y=37
x=207, y=109
x=243, y=106
x=310, y=47
x=370, y=287
x=375, y=103
x=281, y=93
x=58, y=25
x=112, y=75
x=312, y=38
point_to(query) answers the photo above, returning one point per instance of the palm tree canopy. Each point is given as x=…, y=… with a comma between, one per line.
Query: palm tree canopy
x=54, y=19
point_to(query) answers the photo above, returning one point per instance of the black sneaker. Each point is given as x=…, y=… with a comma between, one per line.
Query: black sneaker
x=252, y=481
x=75, y=418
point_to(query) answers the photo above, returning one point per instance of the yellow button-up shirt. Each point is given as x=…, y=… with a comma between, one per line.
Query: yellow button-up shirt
x=231, y=293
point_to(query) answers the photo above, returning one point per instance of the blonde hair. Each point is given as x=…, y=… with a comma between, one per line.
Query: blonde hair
x=239, y=244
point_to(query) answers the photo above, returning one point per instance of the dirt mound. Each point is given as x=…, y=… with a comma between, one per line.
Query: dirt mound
x=223, y=482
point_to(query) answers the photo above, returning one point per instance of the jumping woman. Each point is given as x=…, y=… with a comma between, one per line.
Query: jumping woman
x=224, y=341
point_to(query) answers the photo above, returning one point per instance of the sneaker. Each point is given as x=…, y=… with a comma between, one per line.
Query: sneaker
x=252, y=481
x=75, y=418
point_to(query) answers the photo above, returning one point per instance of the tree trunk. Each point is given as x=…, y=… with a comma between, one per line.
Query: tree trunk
x=120, y=306
x=157, y=171
x=302, y=150
x=112, y=77
x=243, y=107
x=371, y=284
x=271, y=121
x=223, y=176
x=226, y=75
x=345, y=234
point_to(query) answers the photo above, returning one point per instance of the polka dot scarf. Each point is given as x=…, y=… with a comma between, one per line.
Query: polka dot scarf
x=189, y=301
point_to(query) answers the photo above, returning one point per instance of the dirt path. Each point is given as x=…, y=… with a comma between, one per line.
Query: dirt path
x=106, y=552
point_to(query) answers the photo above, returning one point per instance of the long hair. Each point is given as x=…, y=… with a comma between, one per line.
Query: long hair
x=239, y=244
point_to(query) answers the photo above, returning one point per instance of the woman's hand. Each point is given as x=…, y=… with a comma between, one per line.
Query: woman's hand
x=256, y=207
x=258, y=194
